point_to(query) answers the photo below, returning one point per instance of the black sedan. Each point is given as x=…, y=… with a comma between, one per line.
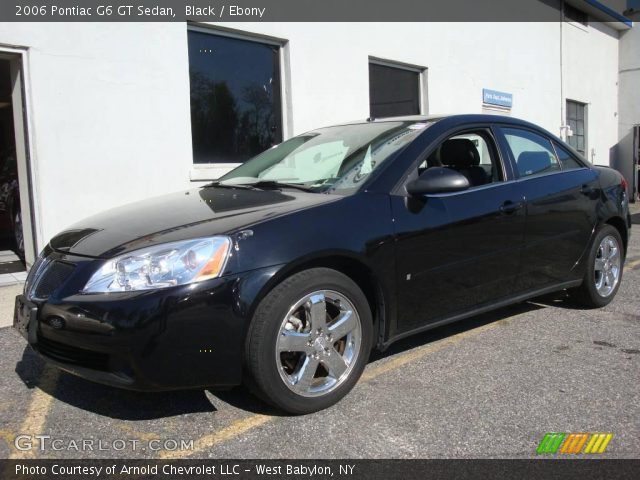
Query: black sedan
x=287, y=271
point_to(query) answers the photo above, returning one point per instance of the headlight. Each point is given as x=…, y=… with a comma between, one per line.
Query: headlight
x=162, y=266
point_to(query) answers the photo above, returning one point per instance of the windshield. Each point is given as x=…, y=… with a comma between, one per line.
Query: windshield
x=332, y=159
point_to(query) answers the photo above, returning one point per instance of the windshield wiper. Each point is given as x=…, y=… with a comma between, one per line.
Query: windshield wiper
x=276, y=184
x=260, y=185
x=219, y=184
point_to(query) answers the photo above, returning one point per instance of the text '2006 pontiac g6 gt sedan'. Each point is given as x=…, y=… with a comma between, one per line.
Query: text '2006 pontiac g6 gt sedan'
x=286, y=272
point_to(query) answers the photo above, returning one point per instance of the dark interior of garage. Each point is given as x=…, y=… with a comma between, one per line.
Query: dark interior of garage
x=11, y=238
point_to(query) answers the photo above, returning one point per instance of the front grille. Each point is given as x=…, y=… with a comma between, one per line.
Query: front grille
x=49, y=277
x=73, y=355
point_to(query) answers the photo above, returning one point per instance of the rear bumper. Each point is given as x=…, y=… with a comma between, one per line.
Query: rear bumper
x=182, y=337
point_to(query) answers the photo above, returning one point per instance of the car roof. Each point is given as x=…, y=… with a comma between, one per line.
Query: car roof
x=461, y=118
x=470, y=118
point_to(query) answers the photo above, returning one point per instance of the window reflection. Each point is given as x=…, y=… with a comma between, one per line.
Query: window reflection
x=235, y=97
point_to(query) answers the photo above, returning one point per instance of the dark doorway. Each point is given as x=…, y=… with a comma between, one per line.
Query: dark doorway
x=393, y=91
x=235, y=97
x=11, y=235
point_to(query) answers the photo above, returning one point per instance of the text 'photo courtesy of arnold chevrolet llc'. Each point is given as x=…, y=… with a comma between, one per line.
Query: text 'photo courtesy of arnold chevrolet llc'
x=288, y=239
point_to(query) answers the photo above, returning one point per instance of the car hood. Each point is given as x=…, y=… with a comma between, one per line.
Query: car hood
x=179, y=216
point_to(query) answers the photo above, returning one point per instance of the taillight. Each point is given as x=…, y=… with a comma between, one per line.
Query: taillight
x=623, y=183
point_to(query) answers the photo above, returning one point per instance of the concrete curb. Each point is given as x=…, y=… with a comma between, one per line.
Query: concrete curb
x=7, y=298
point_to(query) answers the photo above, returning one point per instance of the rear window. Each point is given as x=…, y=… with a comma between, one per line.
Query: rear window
x=533, y=153
x=567, y=160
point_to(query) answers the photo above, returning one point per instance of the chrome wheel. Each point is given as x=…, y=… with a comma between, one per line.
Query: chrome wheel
x=318, y=343
x=607, y=266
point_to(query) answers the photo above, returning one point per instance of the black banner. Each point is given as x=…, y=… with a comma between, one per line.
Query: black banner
x=547, y=469
x=279, y=10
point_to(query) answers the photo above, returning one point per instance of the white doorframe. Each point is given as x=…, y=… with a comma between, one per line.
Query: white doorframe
x=24, y=153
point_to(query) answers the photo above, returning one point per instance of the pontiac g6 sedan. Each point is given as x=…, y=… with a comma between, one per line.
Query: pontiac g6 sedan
x=285, y=273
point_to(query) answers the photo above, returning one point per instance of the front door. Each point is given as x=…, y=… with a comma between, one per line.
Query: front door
x=458, y=251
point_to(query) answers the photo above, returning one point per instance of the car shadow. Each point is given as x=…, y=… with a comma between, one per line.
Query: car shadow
x=455, y=328
x=240, y=397
x=129, y=405
x=110, y=401
x=559, y=300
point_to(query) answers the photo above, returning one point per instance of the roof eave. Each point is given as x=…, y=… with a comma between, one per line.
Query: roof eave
x=601, y=12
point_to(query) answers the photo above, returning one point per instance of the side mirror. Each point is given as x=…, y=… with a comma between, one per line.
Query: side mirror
x=438, y=180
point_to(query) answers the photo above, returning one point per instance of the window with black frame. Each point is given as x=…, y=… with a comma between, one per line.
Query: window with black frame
x=393, y=91
x=235, y=97
x=577, y=121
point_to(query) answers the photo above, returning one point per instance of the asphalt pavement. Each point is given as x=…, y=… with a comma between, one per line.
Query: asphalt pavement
x=490, y=386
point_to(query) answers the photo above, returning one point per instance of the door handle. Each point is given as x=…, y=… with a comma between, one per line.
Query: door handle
x=587, y=190
x=510, y=207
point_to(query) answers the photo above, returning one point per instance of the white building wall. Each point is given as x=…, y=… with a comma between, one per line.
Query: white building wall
x=109, y=115
x=590, y=65
x=629, y=78
x=329, y=66
x=629, y=105
x=109, y=102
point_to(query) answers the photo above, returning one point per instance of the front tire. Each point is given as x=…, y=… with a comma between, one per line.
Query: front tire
x=604, y=270
x=309, y=341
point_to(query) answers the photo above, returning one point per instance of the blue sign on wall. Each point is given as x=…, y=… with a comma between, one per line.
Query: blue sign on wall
x=493, y=97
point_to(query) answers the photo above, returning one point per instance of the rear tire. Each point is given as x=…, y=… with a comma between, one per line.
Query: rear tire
x=309, y=341
x=605, y=265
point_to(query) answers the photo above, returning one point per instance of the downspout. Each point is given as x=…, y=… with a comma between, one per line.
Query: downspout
x=563, y=127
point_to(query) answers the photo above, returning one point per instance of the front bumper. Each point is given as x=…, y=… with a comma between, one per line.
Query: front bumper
x=190, y=336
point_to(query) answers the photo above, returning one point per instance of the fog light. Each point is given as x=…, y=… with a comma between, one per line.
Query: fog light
x=55, y=322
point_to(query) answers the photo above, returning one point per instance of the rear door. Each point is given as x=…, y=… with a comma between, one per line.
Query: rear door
x=561, y=195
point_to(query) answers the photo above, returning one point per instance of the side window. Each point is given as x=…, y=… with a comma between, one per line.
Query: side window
x=567, y=160
x=472, y=153
x=533, y=153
